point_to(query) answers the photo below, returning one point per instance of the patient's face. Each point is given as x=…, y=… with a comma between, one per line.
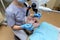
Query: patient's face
x=32, y=19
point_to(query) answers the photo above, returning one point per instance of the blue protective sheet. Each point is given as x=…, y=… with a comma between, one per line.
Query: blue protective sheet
x=45, y=31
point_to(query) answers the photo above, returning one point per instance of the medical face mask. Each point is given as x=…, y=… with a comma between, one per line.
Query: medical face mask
x=22, y=1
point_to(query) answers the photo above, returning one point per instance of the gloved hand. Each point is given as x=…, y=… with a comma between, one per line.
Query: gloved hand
x=28, y=27
x=37, y=15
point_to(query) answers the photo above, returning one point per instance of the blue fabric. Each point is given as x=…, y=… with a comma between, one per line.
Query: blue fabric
x=45, y=31
x=27, y=26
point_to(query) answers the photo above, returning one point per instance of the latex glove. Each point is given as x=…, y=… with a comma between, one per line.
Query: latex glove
x=27, y=26
x=37, y=15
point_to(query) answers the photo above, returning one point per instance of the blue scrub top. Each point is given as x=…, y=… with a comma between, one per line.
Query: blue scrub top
x=15, y=15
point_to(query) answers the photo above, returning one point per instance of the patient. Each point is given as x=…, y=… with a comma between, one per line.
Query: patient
x=43, y=31
x=33, y=20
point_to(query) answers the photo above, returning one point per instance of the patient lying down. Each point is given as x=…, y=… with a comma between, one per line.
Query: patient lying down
x=43, y=31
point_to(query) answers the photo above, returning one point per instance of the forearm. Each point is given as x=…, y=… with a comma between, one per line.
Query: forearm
x=16, y=27
x=27, y=26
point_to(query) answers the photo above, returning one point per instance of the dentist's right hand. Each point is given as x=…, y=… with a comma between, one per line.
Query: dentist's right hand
x=27, y=26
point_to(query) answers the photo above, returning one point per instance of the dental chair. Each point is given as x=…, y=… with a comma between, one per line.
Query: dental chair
x=5, y=32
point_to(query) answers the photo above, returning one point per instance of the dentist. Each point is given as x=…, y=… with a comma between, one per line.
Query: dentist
x=15, y=15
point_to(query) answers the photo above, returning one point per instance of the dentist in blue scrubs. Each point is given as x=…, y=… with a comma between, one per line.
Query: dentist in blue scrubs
x=16, y=15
